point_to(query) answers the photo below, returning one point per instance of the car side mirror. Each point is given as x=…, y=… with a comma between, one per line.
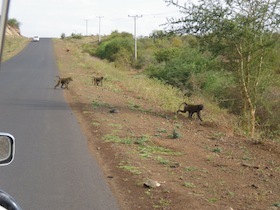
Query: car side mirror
x=7, y=148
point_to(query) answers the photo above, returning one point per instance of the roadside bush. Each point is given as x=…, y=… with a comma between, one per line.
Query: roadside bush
x=165, y=55
x=139, y=63
x=123, y=58
x=14, y=23
x=118, y=47
x=89, y=48
x=177, y=66
x=268, y=112
x=76, y=36
x=215, y=83
x=62, y=36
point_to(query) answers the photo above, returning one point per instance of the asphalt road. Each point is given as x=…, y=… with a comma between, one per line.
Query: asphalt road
x=53, y=168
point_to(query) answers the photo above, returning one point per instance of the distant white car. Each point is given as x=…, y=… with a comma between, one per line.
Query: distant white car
x=36, y=39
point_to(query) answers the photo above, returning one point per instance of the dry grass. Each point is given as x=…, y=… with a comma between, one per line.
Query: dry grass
x=14, y=45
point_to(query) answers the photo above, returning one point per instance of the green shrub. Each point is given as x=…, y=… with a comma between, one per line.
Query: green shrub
x=165, y=55
x=62, y=36
x=76, y=36
x=14, y=23
x=175, y=135
x=117, y=49
x=89, y=48
x=186, y=68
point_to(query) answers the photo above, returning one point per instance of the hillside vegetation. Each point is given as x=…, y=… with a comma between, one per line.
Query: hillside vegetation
x=179, y=62
x=227, y=51
x=133, y=130
x=14, y=42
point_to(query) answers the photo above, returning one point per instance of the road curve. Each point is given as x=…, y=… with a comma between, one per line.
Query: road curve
x=53, y=168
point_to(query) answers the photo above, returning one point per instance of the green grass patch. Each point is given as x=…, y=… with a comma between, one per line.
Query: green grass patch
x=116, y=139
x=189, y=185
x=133, y=106
x=212, y=200
x=217, y=150
x=189, y=168
x=162, y=161
x=142, y=140
x=133, y=169
x=100, y=104
x=211, y=157
x=175, y=135
x=148, y=149
x=277, y=204
x=231, y=194
x=178, y=126
x=115, y=125
x=162, y=130
x=162, y=203
x=95, y=123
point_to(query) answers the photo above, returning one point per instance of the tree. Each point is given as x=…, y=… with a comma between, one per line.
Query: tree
x=14, y=23
x=62, y=36
x=239, y=31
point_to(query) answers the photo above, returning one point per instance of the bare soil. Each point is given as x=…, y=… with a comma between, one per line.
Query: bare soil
x=214, y=168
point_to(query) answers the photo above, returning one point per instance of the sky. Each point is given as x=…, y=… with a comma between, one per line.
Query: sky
x=51, y=18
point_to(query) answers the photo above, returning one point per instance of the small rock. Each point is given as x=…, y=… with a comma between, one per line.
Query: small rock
x=254, y=186
x=151, y=184
x=175, y=165
x=115, y=110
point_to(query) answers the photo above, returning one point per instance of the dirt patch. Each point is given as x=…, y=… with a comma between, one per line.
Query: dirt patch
x=199, y=165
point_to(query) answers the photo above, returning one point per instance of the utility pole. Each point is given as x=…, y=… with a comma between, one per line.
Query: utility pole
x=135, y=36
x=99, y=37
x=86, y=26
x=3, y=22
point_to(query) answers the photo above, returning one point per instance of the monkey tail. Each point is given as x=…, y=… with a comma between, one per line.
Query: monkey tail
x=58, y=78
x=93, y=77
x=182, y=104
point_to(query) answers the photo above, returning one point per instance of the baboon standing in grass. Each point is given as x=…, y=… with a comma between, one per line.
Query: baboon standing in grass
x=97, y=80
x=191, y=109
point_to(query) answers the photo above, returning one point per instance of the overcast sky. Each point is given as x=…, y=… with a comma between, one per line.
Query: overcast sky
x=51, y=18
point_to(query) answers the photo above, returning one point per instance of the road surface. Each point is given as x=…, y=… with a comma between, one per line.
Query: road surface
x=53, y=168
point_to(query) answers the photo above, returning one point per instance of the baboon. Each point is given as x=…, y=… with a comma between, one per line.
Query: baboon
x=191, y=109
x=63, y=81
x=97, y=80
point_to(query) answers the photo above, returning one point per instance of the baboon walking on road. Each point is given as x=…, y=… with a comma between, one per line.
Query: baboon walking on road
x=63, y=81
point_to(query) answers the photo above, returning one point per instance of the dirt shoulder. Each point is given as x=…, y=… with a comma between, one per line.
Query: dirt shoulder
x=199, y=165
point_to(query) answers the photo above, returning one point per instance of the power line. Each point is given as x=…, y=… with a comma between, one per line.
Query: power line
x=160, y=14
